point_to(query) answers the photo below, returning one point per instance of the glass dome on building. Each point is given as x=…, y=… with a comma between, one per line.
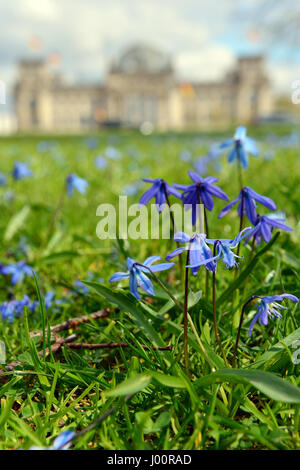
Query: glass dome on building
x=145, y=59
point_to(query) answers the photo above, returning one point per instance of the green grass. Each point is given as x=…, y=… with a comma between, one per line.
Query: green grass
x=255, y=406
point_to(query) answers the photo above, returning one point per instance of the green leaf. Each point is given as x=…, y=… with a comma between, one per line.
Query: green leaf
x=276, y=351
x=127, y=305
x=246, y=272
x=177, y=330
x=270, y=384
x=168, y=380
x=133, y=385
x=16, y=222
x=61, y=256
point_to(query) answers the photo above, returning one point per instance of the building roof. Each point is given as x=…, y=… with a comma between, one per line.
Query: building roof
x=143, y=59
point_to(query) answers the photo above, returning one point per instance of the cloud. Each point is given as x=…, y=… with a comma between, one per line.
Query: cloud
x=209, y=63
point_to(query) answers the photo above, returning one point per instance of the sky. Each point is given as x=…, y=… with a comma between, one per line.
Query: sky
x=203, y=37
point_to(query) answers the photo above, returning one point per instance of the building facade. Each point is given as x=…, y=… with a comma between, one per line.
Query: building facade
x=141, y=87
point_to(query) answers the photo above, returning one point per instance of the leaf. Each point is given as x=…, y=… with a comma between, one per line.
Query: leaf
x=291, y=260
x=270, y=384
x=61, y=256
x=127, y=305
x=246, y=272
x=276, y=350
x=176, y=329
x=168, y=380
x=133, y=385
x=15, y=223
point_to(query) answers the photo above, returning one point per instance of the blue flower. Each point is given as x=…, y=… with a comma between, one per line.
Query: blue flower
x=112, y=153
x=18, y=271
x=159, y=189
x=2, y=179
x=264, y=225
x=12, y=308
x=249, y=204
x=100, y=162
x=241, y=145
x=62, y=442
x=203, y=189
x=269, y=307
x=224, y=251
x=21, y=171
x=75, y=182
x=81, y=287
x=198, y=249
x=137, y=277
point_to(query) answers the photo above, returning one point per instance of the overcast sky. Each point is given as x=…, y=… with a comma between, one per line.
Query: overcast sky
x=202, y=36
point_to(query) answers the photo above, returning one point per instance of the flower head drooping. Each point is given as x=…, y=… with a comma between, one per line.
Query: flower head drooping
x=75, y=182
x=247, y=201
x=21, y=171
x=137, y=277
x=224, y=251
x=241, y=145
x=269, y=307
x=198, y=249
x=160, y=190
x=18, y=271
x=202, y=191
x=13, y=308
x=264, y=225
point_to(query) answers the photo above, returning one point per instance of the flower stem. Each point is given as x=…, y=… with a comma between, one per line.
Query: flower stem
x=174, y=230
x=241, y=219
x=214, y=306
x=188, y=315
x=186, y=293
x=56, y=213
x=207, y=234
x=240, y=326
x=240, y=176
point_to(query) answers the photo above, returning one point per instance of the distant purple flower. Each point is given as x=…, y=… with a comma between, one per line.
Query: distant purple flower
x=199, y=250
x=81, y=287
x=137, y=277
x=21, y=171
x=264, y=225
x=2, y=179
x=112, y=153
x=241, y=145
x=269, y=307
x=75, y=182
x=92, y=143
x=17, y=271
x=203, y=189
x=12, y=308
x=159, y=189
x=249, y=204
x=100, y=162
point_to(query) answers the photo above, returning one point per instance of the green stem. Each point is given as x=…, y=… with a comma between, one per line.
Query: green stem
x=174, y=230
x=240, y=326
x=56, y=213
x=182, y=309
x=186, y=293
x=215, y=307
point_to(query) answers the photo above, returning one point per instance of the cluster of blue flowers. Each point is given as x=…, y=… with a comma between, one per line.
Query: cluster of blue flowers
x=203, y=190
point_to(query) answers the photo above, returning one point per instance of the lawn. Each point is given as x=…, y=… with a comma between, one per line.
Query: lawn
x=151, y=399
